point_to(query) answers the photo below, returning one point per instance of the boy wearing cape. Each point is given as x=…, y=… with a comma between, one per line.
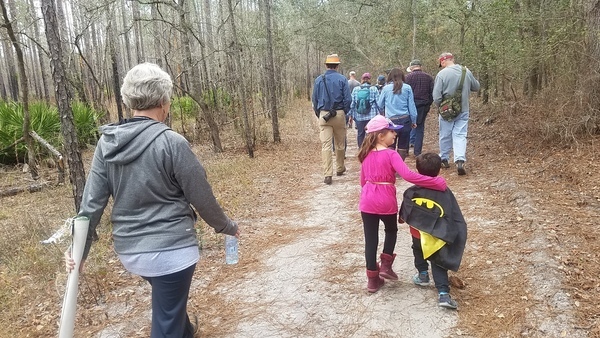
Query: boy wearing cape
x=438, y=229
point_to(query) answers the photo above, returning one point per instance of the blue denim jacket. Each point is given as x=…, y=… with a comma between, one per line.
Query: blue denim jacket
x=397, y=105
x=339, y=91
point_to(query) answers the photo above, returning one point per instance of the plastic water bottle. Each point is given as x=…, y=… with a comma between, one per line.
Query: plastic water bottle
x=231, y=249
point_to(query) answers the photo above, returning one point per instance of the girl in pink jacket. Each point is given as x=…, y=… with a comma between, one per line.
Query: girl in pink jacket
x=378, y=201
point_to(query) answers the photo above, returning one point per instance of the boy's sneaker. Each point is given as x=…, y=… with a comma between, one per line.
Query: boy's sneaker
x=445, y=164
x=447, y=302
x=422, y=278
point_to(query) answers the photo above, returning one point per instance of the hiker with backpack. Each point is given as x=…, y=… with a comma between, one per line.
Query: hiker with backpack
x=453, y=81
x=364, y=106
x=398, y=101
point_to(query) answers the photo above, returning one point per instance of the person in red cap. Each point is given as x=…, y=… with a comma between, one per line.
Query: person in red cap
x=378, y=202
x=453, y=133
x=331, y=103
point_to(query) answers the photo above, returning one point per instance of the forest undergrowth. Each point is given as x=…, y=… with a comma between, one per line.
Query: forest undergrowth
x=542, y=195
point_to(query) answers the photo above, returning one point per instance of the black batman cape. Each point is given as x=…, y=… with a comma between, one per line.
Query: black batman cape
x=450, y=227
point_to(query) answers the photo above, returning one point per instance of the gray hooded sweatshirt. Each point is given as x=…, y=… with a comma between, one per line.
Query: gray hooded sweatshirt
x=153, y=176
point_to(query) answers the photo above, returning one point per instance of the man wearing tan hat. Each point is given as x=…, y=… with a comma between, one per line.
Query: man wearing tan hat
x=453, y=133
x=331, y=102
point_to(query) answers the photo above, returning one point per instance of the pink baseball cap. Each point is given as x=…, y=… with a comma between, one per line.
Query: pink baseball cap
x=379, y=122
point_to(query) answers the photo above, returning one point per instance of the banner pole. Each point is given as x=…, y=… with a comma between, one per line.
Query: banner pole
x=67, y=317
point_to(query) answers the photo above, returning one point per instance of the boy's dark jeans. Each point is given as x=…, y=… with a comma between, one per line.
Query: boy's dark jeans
x=440, y=275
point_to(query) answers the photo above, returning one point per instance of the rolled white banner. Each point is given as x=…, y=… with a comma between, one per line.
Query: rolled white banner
x=67, y=317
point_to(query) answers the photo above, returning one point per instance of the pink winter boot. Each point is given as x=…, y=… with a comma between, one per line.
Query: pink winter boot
x=374, y=281
x=385, y=270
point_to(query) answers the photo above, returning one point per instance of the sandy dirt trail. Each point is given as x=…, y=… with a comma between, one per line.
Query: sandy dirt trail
x=307, y=278
x=316, y=285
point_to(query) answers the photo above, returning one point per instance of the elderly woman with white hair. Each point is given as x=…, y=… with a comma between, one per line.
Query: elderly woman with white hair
x=154, y=178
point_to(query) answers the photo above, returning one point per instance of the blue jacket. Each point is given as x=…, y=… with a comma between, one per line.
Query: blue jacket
x=339, y=91
x=397, y=105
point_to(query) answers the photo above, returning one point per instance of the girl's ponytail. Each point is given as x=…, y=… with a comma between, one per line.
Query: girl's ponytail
x=369, y=143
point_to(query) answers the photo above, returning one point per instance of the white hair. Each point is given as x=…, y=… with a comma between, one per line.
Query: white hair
x=146, y=86
x=352, y=73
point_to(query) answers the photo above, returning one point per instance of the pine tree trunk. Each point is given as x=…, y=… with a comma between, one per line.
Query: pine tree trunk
x=12, y=80
x=63, y=100
x=194, y=81
x=271, y=72
x=137, y=32
x=594, y=56
x=127, y=46
x=114, y=62
x=42, y=58
x=24, y=90
x=239, y=84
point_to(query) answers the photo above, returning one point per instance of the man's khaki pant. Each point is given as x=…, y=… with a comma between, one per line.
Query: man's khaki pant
x=334, y=129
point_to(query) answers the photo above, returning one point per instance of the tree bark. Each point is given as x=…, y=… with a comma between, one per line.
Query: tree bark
x=413, y=12
x=127, y=46
x=239, y=84
x=24, y=92
x=12, y=80
x=137, y=31
x=194, y=80
x=594, y=55
x=157, y=35
x=63, y=100
x=114, y=61
x=271, y=72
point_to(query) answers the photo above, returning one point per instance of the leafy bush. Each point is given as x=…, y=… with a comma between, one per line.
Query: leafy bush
x=185, y=105
x=86, y=123
x=217, y=97
x=45, y=121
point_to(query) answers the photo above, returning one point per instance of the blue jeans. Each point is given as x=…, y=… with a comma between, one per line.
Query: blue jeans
x=453, y=136
x=361, y=133
x=403, y=135
x=440, y=275
x=169, y=304
x=417, y=135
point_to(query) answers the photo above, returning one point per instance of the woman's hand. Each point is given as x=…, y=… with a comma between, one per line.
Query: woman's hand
x=70, y=262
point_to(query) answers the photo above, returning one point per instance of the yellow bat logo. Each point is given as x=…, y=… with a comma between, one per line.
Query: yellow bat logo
x=427, y=203
x=429, y=244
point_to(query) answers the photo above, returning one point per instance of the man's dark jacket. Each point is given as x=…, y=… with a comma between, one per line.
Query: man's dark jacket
x=444, y=221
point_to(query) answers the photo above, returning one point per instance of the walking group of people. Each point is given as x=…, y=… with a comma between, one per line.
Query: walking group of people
x=386, y=115
x=154, y=178
x=403, y=98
